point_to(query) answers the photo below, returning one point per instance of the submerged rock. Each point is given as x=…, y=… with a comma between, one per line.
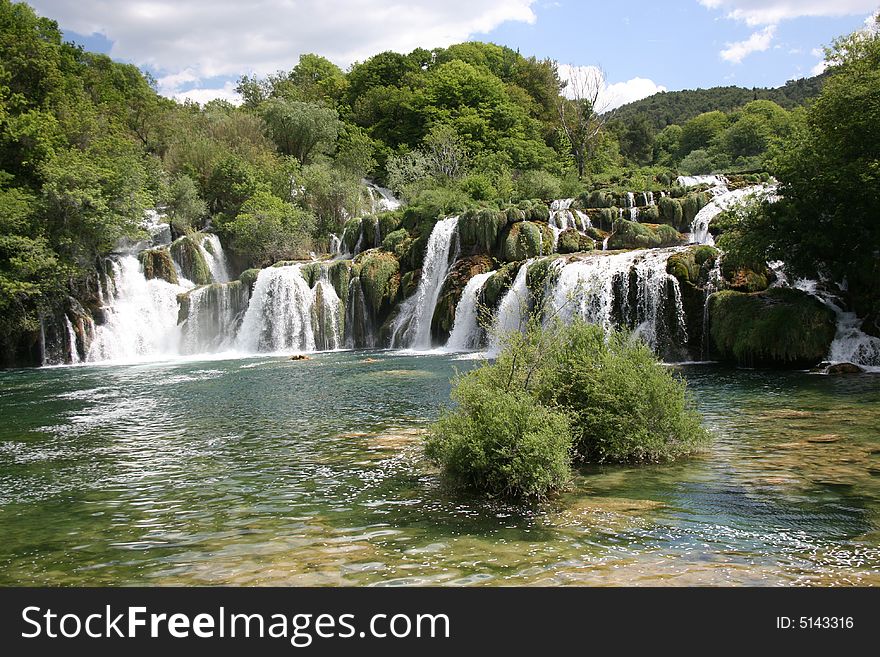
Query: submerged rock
x=837, y=368
x=300, y=357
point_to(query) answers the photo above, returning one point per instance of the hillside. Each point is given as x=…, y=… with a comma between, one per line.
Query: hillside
x=668, y=107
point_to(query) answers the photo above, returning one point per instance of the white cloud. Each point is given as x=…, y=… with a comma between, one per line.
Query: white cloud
x=203, y=95
x=819, y=68
x=757, y=42
x=771, y=12
x=186, y=42
x=610, y=96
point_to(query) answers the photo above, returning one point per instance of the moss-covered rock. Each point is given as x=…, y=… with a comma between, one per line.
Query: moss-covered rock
x=671, y=212
x=158, y=263
x=497, y=285
x=478, y=230
x=692, y=204
x=539, y=278
x=526, y=240
x=632, y=235
x=339, y=274
x=379, y=273
x=450, y=294
x=311, y=272
x=596, y=199
x=569, y=241
x=249, y=278
x=189, y=258
x=743, y=279
x=780, y=327
x=667, y=235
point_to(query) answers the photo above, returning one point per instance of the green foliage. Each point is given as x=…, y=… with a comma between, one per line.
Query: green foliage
x=625, y=405
x=557, y=393
x=538, y=184
x=301, y=129
x=186, y=209
x=268, y=230
x=782, y=326
x=499, y=442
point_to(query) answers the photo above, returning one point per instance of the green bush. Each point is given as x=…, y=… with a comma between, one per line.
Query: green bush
x=500, y=442
x=624, y=404
x=559, y=393
x=632, y=235
x=569, y=241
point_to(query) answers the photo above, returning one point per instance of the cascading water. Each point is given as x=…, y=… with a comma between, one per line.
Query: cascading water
x=142, y=320
x=466, y=331
x=279, y=315
x=513, y=310
x=631, y=289
x=211, y=316
x=691, y=181
x=700, y=225
x=713, y=284
x=850, y=344
x=386, y=200
x=326, y=320
x=412, y=328
x=213, y=253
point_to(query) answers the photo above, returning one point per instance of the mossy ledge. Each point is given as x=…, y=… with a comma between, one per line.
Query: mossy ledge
x=780, y=327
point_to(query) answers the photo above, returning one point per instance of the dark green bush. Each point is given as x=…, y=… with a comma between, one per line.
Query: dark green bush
x=500, y=442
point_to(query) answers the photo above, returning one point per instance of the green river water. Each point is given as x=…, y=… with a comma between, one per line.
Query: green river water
x=264, y=471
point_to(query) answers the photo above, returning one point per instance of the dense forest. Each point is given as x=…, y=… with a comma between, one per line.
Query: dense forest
x=87, y=147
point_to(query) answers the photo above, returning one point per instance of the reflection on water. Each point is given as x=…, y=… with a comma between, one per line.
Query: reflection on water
x=266, y=471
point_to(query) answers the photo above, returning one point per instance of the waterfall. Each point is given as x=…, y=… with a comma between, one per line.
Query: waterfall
x=326, y=322
x=700, y=225
x=385, y=202
x=359, y=326
x=71, y=341
x=279, y=315
x=633, y=214
x=211, y=316
x=142, y=320
x=466, y=332
x=691, y=181
x=213, y=253
x=631, y=289
x=412, y=328
x=513, y=310
x=850, y=344
x=713, y=284
x=586, y=224
x=335, y=245
x=630, y=199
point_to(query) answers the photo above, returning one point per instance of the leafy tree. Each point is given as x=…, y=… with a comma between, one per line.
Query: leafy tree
x=700, y=131
x=185, y=207
x=301, y=129
x=268, y=229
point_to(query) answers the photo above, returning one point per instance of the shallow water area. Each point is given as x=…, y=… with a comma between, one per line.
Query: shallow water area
x=263, y=470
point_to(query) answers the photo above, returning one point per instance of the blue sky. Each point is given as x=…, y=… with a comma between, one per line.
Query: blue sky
x=198, y=48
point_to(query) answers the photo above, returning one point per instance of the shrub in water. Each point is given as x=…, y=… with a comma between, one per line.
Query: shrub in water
x=500, y=442
x=625, y=405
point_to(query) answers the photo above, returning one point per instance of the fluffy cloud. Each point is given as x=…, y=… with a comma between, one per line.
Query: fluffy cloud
x=188, y=42
x=771, y=12
x=610, y=96
x=757, y=42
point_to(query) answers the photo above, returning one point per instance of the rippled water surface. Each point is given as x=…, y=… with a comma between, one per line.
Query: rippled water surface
x=267, y=471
